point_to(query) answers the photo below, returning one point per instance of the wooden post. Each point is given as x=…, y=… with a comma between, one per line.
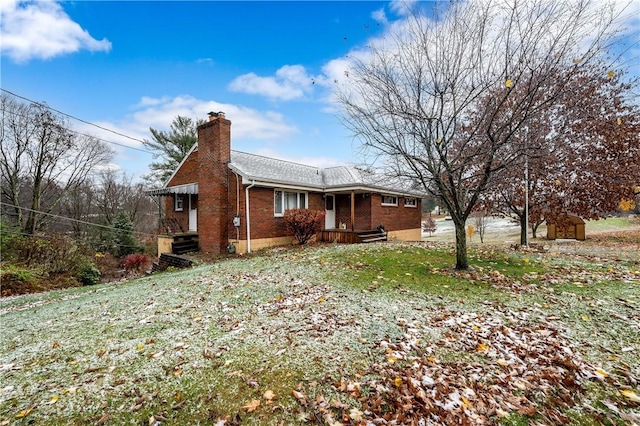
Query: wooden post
x=353, y=210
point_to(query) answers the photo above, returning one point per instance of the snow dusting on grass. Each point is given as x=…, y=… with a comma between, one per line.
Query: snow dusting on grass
x=324, y=334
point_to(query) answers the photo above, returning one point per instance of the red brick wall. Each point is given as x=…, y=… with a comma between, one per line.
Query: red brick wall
x=395, y=218
x=214, y=151
x=263, y=222
x=188, y=173
x=182, y=217
x=362, y=211
x=241, y=232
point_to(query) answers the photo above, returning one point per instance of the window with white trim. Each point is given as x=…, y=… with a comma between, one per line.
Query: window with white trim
x=179, y=203
x=410, y=202
x=286, y=200
x=389, y=200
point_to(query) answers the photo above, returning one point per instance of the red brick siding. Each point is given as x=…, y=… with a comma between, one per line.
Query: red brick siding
x=188, y=173
x=240, y=232
x=362, y=211
x=182, y=216
x=263, y=222
x=395, y=218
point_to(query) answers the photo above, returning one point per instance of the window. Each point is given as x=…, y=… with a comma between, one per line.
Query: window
x=179, y=202
x=284, y=200
x=389, y=200
x=410, y=202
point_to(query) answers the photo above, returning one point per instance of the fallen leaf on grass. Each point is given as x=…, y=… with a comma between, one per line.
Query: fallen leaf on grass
x=355, y=414
x=482, y=348
x=24, y=413
x=300, y=396
x=104, y=419
x=601, y=374
x=252, y=405
x=269, y=396
x=630, y=395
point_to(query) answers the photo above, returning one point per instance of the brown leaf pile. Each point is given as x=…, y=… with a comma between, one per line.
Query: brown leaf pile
x=516, y=366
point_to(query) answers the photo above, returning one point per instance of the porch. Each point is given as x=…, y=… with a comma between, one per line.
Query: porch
x=179, y=243
x=348, y=236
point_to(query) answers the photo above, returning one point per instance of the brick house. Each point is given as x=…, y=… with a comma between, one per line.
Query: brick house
x=219, y=197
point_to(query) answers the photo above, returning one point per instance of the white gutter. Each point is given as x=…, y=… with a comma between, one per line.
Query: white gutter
x=246, y=202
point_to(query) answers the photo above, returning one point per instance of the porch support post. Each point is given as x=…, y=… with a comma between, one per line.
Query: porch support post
x=353, y=210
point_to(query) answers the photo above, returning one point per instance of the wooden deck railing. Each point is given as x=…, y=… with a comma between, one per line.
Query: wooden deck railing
x=344, y=236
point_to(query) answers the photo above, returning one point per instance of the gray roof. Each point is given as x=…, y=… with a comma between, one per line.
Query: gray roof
x=271, y=171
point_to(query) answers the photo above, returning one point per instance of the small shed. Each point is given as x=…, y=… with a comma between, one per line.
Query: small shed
x=566, y=226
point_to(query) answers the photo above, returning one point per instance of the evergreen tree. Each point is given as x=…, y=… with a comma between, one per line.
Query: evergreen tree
x=170, y=147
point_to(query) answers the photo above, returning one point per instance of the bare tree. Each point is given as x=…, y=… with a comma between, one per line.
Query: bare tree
x=430, y=97
x=116, y=194
x=480, y=223
x=429, y=225
x=79, y=205
x=38, y=147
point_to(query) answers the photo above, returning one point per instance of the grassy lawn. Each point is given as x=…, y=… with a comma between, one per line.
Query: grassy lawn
x=342, y=334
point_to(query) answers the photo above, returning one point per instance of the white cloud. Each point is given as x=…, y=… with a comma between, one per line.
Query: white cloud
x=402, y=7
x=158, y=113
x=379, y=16
x=290, y=82
x=42, y=30
x=248, y=125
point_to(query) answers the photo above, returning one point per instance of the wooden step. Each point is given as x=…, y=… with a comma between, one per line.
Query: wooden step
x=372, y=236
x=166, y=260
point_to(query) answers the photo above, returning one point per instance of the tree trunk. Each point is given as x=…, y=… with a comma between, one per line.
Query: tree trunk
x=523, y=230
x=534, y=229
x=462, y=260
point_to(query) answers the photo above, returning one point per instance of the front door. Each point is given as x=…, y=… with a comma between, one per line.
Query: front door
x=193, y=212
x=330, y=212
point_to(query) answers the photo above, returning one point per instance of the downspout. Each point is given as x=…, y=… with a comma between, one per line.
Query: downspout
x=246, y=201
x=237, y=208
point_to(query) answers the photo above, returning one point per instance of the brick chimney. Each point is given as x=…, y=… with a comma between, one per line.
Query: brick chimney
x=214, y=153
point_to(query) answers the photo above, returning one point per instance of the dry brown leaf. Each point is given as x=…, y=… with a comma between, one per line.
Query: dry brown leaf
x=24, y=413
x=252, y=405
x=269, y=395
x=630, y=395
x=105, y=418
x=299, y=396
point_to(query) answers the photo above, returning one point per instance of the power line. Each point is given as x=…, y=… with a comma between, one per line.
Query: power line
x=74, y=117
x=84, y=134
x=74, y=220
x=81, y=240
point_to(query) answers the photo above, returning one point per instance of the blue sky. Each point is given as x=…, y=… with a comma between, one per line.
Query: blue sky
x=128, y=66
